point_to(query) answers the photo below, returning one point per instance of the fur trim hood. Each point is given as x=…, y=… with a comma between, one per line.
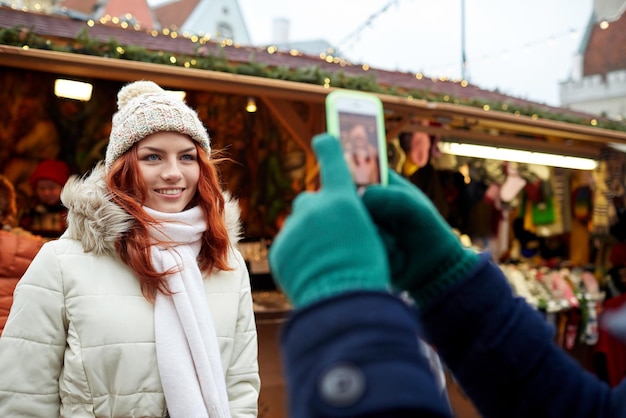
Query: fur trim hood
x=95, y=221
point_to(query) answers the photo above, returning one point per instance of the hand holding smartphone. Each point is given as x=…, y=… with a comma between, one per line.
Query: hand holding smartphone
x=357, y=120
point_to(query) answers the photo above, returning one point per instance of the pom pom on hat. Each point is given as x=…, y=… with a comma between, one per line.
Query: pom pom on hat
x=54, y=170
x=144, y=108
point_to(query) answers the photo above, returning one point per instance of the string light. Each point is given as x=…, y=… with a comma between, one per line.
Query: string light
x=127, y=22
x=368, y=23
x=331, y=57
x=503, y=54
x=354, y=36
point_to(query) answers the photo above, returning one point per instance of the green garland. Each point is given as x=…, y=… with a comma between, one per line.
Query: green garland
x=84, y=44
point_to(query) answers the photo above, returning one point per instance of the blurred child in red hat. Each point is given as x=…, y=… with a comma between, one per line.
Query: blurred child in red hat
x=47, y=215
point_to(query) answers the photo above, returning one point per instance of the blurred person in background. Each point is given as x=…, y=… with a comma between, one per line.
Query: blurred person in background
x=46, y=215
x=17, y=248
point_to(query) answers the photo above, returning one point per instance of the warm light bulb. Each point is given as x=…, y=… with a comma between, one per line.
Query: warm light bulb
x=251, y=105
x=179, y=94
x=71, y=89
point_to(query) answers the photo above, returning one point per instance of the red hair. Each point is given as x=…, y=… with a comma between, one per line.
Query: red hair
x=128, y=190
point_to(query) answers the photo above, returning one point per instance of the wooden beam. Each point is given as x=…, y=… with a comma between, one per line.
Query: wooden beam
x=284, y=112
x=301, y=130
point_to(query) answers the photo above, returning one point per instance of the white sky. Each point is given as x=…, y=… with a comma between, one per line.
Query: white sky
x=523, y=48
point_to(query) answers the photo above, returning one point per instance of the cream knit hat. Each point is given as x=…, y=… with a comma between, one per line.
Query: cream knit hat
x=144, y=108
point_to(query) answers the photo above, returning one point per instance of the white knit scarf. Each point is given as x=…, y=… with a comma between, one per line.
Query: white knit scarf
x=188, y=354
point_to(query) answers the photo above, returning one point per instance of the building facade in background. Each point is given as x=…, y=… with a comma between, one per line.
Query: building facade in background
x=597, y=84
x=221, y=19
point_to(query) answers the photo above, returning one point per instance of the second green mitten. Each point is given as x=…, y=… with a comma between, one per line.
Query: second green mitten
x=425, y=255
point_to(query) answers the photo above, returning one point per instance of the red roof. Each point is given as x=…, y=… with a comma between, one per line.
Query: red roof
x=606, y=48
x=175, y=13
x=138, y=9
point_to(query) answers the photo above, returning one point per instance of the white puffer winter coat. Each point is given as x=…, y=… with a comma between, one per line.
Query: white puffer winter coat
x=79, y=341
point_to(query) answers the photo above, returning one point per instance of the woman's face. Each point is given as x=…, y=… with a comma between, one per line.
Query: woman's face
x=168, y=162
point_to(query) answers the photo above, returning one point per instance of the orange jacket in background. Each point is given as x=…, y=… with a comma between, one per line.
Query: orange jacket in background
x=16, y=253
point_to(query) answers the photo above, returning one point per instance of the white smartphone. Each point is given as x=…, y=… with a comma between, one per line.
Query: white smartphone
x=357, y=119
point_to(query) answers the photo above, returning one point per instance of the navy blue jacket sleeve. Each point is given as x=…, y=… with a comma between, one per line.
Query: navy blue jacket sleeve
x=358, y=355
x=503, y=354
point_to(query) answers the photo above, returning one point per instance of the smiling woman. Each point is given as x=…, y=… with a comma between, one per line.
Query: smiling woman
x=168, y=162
x=145, y=303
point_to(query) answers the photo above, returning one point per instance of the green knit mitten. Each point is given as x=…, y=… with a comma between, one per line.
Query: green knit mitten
x=329, y=244
x=425, y=255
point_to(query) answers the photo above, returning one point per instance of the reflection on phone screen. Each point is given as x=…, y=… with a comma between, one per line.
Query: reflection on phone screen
x=358, y=138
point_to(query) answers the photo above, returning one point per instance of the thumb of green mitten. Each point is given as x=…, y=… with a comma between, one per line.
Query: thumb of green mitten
x=329, y=244
x=425, y=255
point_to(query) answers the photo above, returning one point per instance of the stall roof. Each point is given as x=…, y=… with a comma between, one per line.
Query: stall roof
x=466, y=123
x=64, y=27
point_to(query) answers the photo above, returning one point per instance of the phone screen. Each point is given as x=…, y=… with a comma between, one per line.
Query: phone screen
x=359, y=140
x=357, y=119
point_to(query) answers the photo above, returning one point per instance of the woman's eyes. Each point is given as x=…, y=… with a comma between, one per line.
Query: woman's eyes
x=156, y=157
